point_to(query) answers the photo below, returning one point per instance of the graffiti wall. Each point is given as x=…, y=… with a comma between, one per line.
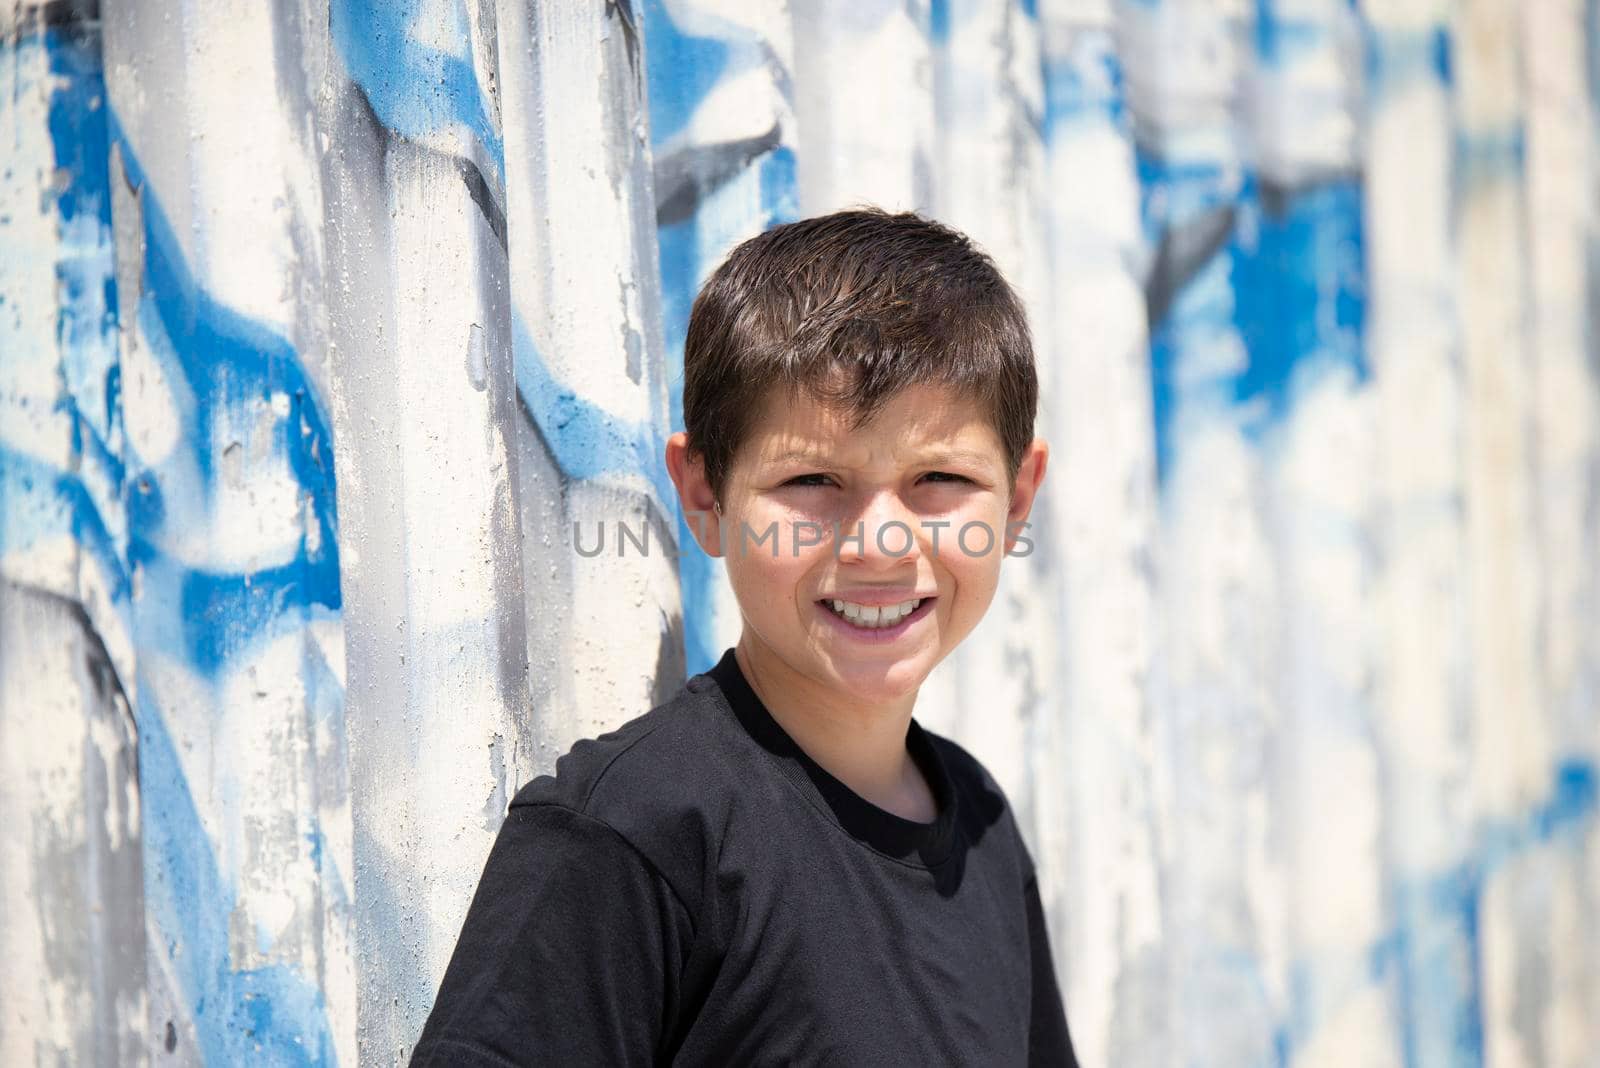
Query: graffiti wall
x=333, y=331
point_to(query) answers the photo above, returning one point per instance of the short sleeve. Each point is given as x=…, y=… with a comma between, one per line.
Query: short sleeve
x=1049, y=1044
x=570, y=952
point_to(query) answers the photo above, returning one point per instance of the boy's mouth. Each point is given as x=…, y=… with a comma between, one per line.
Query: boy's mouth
x=876, y=619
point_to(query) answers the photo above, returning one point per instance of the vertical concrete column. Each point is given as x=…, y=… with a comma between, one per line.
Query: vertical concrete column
x=989, y=153
x=71, y=872
x=1423, y=694
x=846, y=53
x=1218, y=639
x=1512, y=744
x=1562, y=219
x=1102, y=473
x=425, y=421
x=233, y=533
x=1303, y=309
x=599, y=526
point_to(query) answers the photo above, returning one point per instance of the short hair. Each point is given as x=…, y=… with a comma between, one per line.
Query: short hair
x=852, y=308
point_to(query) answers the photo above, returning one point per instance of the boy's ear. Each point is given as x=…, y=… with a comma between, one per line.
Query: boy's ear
x=1029, y=474
x=688, y=473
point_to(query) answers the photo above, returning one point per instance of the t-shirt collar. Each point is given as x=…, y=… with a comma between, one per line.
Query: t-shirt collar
x=896, y=836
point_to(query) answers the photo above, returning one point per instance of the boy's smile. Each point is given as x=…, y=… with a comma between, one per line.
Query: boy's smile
x=860, y=559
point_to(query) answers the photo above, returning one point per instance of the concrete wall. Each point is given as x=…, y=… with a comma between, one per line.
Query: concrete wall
x=324, y=323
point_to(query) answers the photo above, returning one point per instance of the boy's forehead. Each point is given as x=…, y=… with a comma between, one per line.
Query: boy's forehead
x=921, y=415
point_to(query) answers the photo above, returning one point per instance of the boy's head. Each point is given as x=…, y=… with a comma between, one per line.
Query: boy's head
x=852, y=308
x=865, y=374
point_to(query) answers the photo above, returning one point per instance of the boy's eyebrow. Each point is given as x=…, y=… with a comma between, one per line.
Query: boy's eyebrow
x=800, y=455
x=936, y=456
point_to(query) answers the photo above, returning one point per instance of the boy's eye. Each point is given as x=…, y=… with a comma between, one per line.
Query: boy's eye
x=819, y=479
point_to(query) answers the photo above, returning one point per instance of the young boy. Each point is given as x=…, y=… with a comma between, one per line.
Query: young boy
x=779, y=865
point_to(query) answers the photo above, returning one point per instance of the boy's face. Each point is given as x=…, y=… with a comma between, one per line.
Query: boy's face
x=924, y=486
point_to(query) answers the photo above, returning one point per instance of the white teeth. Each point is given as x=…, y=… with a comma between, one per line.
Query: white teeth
x=874, y=617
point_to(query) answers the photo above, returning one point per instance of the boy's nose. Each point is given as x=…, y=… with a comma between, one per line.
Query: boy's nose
x=888, y=531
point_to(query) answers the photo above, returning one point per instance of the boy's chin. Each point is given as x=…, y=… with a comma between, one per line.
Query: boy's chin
x=882, y=676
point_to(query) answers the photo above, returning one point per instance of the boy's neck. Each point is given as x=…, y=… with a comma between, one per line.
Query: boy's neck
x=861, y=745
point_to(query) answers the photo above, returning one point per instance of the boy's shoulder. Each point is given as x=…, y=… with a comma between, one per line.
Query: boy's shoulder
x=662, y=781
x=647, y=758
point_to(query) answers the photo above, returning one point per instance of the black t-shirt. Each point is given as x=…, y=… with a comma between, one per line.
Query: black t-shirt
x=693, y=889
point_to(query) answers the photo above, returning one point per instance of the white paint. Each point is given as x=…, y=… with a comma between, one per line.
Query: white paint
x=1330, y=795
x=28, y=316
x=1561, y=223
x=152, y=410
x=1181, y=59
x=989, y=185
x=256, y=509
x=441, y=25
x=1510, y=747
x=731, y=19
x=1303, y=105
x=61, y=889
x=241, y=151
x=1102, y=473
x=848, y=52
x=1420, y=598
x=267, y=780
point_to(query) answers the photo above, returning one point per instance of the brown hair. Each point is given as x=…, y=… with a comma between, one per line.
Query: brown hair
x=873, y=301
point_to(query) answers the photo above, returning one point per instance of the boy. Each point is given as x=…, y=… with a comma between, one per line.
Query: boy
x=779, y=865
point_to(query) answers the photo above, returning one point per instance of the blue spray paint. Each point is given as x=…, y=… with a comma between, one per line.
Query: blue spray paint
x=585, y=440
x=221, y=359
x=415, y=90
x=240, y=1015
x=265, y=1015
x=1301, y=293
x=1435, y=946
x=1089, y=87
x=683, y=70
x=268, y=1011
x=1190, y=210
x=38, y=499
